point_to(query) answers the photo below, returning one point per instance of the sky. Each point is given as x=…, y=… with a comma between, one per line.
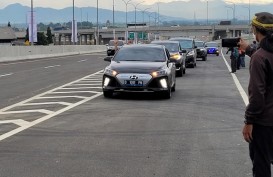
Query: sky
x=106, y=4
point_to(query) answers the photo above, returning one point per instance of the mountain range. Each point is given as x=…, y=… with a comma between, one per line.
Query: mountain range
x=175, y=11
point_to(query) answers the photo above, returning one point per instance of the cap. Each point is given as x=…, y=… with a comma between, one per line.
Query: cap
x=263, y=20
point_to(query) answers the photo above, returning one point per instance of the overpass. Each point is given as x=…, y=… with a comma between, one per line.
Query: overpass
x=206, y=33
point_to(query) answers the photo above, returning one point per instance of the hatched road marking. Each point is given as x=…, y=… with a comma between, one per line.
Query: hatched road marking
x=56, y=98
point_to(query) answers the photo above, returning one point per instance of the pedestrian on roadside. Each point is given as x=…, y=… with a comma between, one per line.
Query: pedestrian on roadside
x=258, y=128
x=242, y=58
x=233, y=58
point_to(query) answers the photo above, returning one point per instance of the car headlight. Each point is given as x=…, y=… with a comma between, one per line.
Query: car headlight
x=110, y=72
x=106, y=81
x=176, y=56
x=159, y=73
x=190, y=53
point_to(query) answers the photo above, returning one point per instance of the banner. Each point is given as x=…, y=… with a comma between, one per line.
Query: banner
x=30, y=27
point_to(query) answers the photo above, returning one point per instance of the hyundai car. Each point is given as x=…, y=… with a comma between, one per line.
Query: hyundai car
x=140, y=68
x=176, y=53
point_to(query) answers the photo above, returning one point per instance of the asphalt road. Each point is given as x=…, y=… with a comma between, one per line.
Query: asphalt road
x=197, y=133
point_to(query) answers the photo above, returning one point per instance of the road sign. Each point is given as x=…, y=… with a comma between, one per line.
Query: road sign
x=131, y=35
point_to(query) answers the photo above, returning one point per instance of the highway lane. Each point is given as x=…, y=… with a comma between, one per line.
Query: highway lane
x=196, y=133
x=21, y=80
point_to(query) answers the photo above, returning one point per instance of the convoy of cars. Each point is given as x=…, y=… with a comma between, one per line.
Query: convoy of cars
x=152, y=67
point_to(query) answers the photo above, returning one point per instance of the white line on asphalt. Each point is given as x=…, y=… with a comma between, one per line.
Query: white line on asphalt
x=47, y=103
x=31, y=124
x=53, y=66
x=237, y=82
x=9, y=74
x=99, y=83
x=18, y=122
x=53, y=97
x=80, y=88
x=82, y=61
x=73, y=92
x=44, y=111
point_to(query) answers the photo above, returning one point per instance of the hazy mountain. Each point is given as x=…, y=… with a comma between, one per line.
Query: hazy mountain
x=176, y=10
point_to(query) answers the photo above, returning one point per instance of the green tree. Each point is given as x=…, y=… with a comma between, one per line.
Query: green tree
x=42, y=40
x=49, y=35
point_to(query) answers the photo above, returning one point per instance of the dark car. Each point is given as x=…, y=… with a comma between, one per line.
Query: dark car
x=111, y=48
x=176, y=53
x=140, y=68
x=212, y=48
x=201, y=50
x=188, y=44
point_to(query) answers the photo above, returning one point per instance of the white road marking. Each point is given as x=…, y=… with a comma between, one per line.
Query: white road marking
x=53, y=66
x=47, y=103
x=31, y=102
x=18, y=122
x=44, y=111
x=237, y=82
x=85, y=84
x=72, y=92
x=82, y=61
x=31, y=124
x=4, y=75
x=73, y=88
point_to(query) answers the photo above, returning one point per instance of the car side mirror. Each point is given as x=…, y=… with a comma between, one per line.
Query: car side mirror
x=184, y=51
x=180, y=52
x=109, y=58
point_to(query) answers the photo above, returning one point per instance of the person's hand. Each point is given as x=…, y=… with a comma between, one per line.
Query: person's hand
x=247, y=132
x=243, y=44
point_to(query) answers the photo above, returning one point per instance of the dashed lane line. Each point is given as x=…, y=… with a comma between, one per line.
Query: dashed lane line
x=4, y=75
x=82, y=61
x=237, y=82
x=53, y=66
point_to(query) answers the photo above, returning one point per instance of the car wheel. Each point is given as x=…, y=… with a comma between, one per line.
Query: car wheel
x=204, y=58
x=108, y=94
x=173, y=88
x=180, y=72
x=167, y=94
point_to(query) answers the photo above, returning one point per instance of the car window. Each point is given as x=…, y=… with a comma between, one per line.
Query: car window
x=141, y=54
x=212, y=44
x=172, y=47
x=199, y=44
x=111, y=43
x=186, y=44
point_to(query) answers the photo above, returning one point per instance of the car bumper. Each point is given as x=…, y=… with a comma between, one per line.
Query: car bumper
x=115, y=86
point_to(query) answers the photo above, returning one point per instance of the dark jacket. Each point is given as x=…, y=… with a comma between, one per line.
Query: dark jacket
x=260, y=108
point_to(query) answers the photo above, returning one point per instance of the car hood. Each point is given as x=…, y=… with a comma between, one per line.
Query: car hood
x=136, y=67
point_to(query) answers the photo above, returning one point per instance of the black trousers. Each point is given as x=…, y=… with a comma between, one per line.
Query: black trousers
x=261, y=150
x=233, y=64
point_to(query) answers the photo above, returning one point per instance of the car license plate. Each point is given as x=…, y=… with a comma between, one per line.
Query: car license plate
x=133, y=83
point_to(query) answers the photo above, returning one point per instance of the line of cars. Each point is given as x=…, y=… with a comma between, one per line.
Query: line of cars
x=151, y=67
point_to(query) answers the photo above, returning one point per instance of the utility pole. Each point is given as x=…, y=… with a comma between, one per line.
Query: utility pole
x=32, y=21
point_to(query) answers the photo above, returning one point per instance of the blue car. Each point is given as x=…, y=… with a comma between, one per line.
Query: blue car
x=212, y=48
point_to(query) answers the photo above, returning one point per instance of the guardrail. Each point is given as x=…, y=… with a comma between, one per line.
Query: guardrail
x=14, y=53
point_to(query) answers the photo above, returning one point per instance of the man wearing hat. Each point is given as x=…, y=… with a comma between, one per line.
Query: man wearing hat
x=258, y=128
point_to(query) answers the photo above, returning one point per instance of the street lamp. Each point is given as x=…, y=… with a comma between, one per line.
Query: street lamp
x=143, y=11
x=97, y=32
x=126, y=4
x=73, y=24
x=113, y=13
x=248, y=19
x=31, y=14
x=207, y=12
x=233, y=9
x=135, y=14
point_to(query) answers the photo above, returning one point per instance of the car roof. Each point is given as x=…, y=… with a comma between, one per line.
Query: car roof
x=144, y=46
x=164, y=41
x=181, y=38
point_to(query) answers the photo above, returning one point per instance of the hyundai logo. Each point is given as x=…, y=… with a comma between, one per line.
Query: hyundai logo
x=134, y=77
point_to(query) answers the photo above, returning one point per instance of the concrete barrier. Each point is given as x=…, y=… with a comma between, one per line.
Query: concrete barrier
x=14, y=53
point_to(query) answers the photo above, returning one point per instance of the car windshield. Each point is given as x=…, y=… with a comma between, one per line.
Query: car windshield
x=172, y=47
x=212, y=44
x=186, y=44
x=141, y=54
x=111, y=43
x=199, y=44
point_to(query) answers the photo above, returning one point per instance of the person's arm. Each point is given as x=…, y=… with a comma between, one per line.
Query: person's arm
x=244, y=46
x=256, y=89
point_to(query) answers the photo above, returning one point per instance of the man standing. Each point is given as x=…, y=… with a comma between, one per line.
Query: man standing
x=258, y=128
x=233, y=58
